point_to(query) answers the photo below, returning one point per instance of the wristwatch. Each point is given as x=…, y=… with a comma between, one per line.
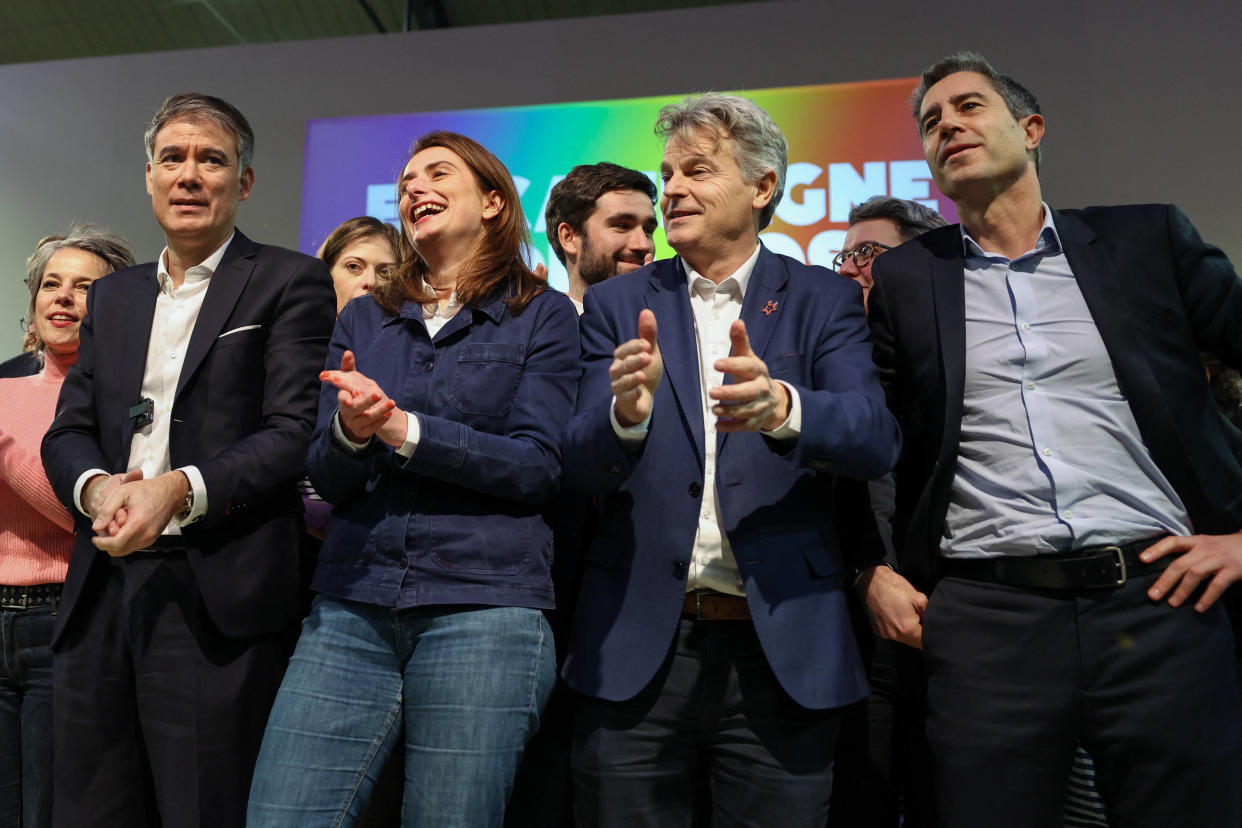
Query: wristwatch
x=187, y=505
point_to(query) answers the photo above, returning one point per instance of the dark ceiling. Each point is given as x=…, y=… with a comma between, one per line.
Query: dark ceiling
x=34, y=30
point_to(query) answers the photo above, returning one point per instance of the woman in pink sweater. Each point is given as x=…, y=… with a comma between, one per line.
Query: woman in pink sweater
x=35, y=529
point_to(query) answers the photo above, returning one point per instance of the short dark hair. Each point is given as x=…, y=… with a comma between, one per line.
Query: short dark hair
x=1020, y=100
x=912, y=219
x=573, y=198
x=195, y=106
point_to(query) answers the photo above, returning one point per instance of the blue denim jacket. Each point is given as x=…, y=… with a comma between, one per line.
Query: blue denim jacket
x=463, y=520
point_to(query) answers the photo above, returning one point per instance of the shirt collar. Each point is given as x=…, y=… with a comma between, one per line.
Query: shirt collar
x=740, y=277
x=198, y=273
x=1049, y=240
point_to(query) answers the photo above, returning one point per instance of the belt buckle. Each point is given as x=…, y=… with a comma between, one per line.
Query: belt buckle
x=698, y=605
x=1119, y=561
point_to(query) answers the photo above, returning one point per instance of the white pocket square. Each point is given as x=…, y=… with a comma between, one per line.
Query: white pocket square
x=239, y=330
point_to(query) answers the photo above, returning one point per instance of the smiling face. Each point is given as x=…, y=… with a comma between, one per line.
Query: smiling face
x=359, y=266
x=195, y=184
x=971, y=140
x=60, y=302
x=616, y=238
x=443, y=208
x=710, y=210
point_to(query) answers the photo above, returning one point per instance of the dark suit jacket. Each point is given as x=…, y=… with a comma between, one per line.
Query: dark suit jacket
x=1158, y=294
x=807, y=325
x=23, y=365
x=243, y=414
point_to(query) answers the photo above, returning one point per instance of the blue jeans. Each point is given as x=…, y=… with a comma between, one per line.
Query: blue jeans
x=469, y=682
x=26, y=717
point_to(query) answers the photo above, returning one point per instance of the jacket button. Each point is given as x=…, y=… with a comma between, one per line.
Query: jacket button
x=429, y=366
x=695, y=490
x=679, y=569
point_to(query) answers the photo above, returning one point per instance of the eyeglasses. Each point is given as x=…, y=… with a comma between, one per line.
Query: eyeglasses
x=861, y=255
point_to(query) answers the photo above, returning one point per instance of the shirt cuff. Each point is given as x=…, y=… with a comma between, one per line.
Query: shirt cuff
x=199, y=487
x=791, y=429
x=628, y=434
x=412, y=432
x=338, y=434
x=81, y=484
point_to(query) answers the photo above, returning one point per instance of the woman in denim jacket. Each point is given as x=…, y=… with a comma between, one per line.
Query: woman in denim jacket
x=439, y=446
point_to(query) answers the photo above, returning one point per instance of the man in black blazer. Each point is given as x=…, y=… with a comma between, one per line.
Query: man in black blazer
x=178, y=440
x=1065, y=486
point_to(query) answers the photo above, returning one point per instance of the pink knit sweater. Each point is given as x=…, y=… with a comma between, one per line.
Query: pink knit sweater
x=35, y=529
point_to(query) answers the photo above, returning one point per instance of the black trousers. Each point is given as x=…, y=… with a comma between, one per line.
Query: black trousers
x=158, y=717
x=713, y=711
x=1017, y=677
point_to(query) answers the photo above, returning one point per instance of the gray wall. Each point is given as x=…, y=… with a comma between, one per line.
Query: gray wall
x=1141, y=98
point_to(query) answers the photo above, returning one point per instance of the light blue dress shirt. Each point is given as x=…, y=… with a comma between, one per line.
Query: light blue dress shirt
x=1050, y=458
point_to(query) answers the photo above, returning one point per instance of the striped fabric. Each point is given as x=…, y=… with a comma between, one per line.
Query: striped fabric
x=1083, y=806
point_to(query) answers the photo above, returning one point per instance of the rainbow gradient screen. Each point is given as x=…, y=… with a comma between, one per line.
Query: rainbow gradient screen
x=847, y=142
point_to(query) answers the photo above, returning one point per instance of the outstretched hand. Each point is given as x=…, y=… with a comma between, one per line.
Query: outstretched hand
x=753, y=401
x=364, y=410
x=636, y=371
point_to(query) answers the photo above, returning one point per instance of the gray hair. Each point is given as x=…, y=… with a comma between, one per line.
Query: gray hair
x=760, y=145
x=1020, y=100
x=195, y=106
x=912, y=219
x=105, y=244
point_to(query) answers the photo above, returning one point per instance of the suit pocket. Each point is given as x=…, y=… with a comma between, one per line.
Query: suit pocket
x=249, y=335
x=823, y=564
x=486, y=378
x=787, y=367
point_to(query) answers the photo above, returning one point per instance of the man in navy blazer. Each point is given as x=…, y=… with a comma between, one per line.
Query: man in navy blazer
x=1066, y=483
x=722, y=392
x=178, y=440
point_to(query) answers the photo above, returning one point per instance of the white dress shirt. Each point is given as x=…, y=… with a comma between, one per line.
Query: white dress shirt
x=715, y=308
x=176, y=312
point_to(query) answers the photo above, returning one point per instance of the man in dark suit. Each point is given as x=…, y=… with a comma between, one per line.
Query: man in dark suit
x=711, y=634
x=1065, y=485
x=178, y=440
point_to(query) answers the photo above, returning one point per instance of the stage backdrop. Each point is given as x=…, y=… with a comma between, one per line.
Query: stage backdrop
x=847, y=142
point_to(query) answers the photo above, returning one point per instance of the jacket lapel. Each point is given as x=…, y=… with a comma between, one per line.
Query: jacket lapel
x=226, y=287
x=668, y=297
x=131, y=350
x=761, y=308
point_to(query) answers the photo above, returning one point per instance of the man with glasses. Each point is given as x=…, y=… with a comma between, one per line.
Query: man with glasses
x=880, y=223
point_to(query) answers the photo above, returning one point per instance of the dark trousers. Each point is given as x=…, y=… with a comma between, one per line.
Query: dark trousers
x=1018, y=677
x=26, y=717
x=158, y=716
x=714, y=710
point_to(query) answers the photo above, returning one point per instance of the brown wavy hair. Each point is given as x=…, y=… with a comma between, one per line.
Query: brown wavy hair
x=497, y=265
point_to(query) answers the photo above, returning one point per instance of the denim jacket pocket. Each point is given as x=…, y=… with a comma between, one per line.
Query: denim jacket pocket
x=481, y=544
x=486, y=378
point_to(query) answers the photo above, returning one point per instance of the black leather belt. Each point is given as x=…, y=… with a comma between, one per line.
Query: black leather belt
x=25, y=597
x=1097, y=567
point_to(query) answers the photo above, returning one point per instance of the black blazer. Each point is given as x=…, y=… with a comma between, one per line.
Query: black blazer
x=243, y=414
x=1158, y=294
x=23, y=365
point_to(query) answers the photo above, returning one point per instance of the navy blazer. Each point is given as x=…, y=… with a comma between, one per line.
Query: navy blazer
x=243, y=413
x=807, y=325
x=463, y=520
x=1158, y=294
